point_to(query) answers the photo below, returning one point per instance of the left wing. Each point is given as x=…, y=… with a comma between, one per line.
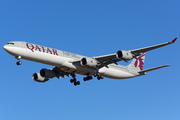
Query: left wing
x=60, y=72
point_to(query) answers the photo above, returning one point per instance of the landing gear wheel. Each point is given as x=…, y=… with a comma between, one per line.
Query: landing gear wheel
x=75, y=83
x=88, y=77
x=18, y=63
x=18, y=58
x=74, y=80
x=95, y=75
x=71, y=80
x=100, y=77
x=78, y=82
x=84, y=78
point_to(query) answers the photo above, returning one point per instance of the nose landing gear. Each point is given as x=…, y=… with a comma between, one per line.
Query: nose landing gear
x=18, y=62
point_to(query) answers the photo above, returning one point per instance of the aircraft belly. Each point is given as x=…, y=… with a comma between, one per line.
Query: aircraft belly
x=70, y=67
x=117, y=74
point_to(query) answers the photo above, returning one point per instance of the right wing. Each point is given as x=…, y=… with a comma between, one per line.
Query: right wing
x=111, y=58
x=141, y=50
x=105, y=60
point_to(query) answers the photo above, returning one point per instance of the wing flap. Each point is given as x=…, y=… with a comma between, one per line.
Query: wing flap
x=105, y=57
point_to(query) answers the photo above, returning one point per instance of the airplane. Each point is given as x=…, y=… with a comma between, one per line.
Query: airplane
x=70, y=64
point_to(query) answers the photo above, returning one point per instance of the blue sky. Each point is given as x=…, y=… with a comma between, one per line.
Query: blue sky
x=91, y=28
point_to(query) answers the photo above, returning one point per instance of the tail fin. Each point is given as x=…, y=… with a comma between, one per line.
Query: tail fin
x=137, y=63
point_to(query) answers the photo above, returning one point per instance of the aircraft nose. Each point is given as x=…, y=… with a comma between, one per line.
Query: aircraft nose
x=9, y=49
x=5, y=47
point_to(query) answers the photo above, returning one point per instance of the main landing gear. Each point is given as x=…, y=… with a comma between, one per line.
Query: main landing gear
x=18, y=62
x=89, y=77
x=98, y=76
x=74, y=80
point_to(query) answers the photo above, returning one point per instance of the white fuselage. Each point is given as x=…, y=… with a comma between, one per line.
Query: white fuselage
x=63, y=60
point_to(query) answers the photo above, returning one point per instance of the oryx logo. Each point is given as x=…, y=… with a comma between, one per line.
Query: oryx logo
x=140, y=61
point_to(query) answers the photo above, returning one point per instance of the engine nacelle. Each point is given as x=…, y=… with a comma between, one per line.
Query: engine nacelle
x=88, y=62
x=38, y=78
x=47, y=73
x=125, y=55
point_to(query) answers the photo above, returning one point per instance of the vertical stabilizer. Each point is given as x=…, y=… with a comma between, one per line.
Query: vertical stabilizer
x=137, y=63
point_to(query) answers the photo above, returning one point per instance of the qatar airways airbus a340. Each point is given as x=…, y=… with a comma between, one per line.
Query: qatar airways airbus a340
x=69, y=64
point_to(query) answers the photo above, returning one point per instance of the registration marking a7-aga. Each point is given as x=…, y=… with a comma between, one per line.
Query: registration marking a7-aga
x=69, y=64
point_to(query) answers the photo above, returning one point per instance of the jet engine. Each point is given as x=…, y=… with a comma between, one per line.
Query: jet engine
x=88, y=62
x=47, y=73
x=125, y=55
x=38, y=78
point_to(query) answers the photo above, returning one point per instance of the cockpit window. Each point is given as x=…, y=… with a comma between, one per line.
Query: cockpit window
x=11, y=43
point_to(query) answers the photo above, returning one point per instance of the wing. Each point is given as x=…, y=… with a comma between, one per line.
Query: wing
x=141, y=50
x=111, y=58
x=106, y=60
x=60, y=72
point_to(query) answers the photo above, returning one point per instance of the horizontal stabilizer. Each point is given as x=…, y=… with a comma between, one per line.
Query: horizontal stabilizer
x=151, y=69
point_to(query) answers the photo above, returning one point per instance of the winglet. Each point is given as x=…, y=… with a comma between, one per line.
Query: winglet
x=173, y=40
